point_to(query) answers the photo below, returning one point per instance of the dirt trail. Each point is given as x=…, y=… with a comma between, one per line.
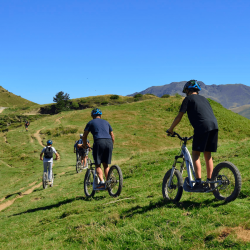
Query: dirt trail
x=5, y=164
x=37, y=136
x=29, y=191
x=2, y=109
x=59, y=119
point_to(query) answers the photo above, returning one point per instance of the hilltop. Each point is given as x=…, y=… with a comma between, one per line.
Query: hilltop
x=10, y=100
x=63, y=218
x=229, y=95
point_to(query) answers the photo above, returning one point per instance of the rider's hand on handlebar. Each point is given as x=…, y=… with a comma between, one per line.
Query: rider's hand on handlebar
x=170, y=133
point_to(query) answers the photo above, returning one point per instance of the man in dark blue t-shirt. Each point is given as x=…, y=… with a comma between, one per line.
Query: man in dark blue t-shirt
x=205, y=126
x=103, y=143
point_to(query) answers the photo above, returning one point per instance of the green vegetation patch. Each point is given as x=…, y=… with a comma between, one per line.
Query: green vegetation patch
x=60, y=131
x=8, y=122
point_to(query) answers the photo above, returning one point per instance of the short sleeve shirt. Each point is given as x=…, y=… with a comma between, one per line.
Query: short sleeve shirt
x=79, y=142
x=200, y=113
x=99, y=128
x=48, y=159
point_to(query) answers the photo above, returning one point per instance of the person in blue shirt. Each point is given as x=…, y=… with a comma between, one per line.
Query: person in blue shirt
x=103, y=143
x=82, y=152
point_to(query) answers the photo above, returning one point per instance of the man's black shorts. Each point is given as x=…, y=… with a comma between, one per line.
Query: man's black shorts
x=83, y=152
x=102, y=151
x=206, y=142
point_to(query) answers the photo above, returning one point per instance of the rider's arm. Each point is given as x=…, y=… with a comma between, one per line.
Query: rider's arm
x=84, y=138
x=57, y=156
x=175, y=122
x=41, y=156
x=112, y=137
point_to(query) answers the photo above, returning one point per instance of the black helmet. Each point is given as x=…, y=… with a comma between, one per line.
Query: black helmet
x=192, y=84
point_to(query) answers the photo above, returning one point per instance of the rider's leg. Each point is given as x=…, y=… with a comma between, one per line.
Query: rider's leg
x=106, y=169
x=99, y=172
x=209, y=164
x=50, y=171
x=85, y=160
x=197, y=163
x=82, y=160
x=45, y=164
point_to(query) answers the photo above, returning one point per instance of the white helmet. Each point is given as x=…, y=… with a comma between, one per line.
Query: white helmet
x=81, y=135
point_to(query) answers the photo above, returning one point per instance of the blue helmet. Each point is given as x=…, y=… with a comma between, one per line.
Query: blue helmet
x=96, y=112
x=192, y=84
x=49, y=142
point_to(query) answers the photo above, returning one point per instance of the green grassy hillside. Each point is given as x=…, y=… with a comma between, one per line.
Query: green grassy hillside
x=8, y=99
x=63, y=218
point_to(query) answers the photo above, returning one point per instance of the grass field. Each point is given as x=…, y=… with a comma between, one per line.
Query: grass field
x=63, y=218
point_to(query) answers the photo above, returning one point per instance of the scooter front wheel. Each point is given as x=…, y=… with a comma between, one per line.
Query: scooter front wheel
x=174, y=191
x=88, y=183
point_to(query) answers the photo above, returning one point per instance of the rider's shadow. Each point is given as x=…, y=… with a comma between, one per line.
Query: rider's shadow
x=187, y=205
x=96, y=198
x=143, y=209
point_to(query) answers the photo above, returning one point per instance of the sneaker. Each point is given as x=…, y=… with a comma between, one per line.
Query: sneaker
x=100, y=186
x=198, y=187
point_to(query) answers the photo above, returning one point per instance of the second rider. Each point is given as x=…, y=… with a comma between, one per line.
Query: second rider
x=103, y=143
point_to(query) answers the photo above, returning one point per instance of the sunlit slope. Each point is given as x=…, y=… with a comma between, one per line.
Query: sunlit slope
x=138, y=127
x=62, y=218
x=8, y=99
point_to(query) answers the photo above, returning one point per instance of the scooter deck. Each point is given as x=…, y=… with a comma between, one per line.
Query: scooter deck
x=187, y=188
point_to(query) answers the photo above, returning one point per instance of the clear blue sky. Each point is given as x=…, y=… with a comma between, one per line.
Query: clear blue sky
x=97, y=47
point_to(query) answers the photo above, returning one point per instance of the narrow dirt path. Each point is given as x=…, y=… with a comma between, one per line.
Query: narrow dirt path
x=5, y=164
x=59, y=119
x=37, y=136
x=2, y=109
x=29, y=191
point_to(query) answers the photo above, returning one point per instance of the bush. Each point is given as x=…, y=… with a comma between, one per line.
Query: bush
x=75, y=105
x=83, y=101
x=113, y=97
x=178, y=95
x=104, y=103
x=136, y=99
x=165, y=96
x=138, y=95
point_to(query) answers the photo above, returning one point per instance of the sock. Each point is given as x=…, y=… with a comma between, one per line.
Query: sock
x=198, y=180
x=208, y=179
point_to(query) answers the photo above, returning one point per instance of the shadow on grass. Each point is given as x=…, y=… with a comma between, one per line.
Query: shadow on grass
x=60, y=204
x=187, y=205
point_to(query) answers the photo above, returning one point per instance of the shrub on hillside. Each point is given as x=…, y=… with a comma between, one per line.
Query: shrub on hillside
x=83, y=101
x=113, y=97
x=136, y=99
x=75, y=105
x=138, y=95
x=59, y=131
x=104, y=103
x=165, y=96
x=178, y=95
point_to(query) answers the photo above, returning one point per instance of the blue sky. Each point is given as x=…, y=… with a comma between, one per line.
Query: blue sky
x=97, y=47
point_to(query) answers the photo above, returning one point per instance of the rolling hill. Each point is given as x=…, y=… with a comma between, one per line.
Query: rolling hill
x=10, y=100
x=63, y=218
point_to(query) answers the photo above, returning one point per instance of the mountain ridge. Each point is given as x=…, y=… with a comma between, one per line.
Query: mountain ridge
x=229, y=95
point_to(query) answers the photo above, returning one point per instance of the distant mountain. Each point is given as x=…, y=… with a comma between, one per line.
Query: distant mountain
x=229, y=95
x=10, y=100
x=243, y=110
